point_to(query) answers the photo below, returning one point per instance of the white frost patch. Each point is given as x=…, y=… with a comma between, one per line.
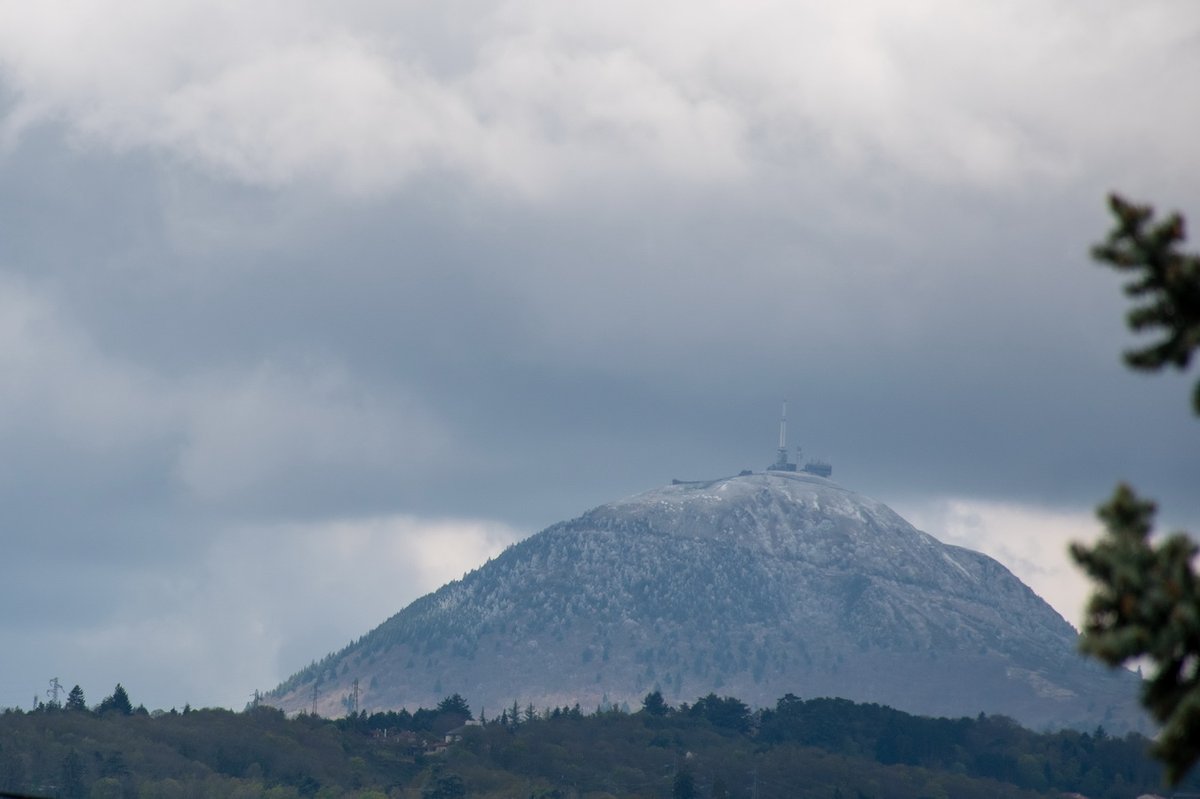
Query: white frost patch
x=1040, y=684
x=957, y=565
x=1032, y=542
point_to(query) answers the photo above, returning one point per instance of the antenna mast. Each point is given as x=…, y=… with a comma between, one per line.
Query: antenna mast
x=783, y=433
x=781, y=463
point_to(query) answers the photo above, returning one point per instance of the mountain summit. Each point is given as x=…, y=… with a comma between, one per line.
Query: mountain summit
x=751, y=586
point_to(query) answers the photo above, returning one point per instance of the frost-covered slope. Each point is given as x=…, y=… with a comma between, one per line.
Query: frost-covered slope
x=752, y=586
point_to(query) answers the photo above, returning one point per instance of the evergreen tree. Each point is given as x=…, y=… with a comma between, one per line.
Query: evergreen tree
x=1165, y=279
x=72, y=775
x=117, y=703
x=75, y=700
x=455, y=704
x=727, y=712
x=654, y=705
x=1147, y=598
x=685, y=785
x=444, y=786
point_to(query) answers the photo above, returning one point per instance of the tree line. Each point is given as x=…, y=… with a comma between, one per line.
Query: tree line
x=716, y=746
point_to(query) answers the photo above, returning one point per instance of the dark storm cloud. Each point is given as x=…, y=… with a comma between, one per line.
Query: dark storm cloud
x=511, y=272
x=984, y=361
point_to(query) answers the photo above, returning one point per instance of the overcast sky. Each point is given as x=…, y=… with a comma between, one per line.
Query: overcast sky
x=306, y=308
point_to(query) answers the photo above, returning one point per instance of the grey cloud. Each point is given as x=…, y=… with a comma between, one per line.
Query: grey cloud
x=514, y=270
x=547, y=101
x=255, y=602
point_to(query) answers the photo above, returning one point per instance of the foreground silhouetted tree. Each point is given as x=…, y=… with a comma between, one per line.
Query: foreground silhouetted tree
x=1166, y=280
x=1147, y=598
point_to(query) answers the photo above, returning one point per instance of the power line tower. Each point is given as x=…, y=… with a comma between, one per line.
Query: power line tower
x=354, y=698
x=53, y=690
x=316, y=685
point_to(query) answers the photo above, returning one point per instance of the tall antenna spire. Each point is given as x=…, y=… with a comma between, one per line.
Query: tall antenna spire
x=783, y=432
x=819, y=467
x=781, y=462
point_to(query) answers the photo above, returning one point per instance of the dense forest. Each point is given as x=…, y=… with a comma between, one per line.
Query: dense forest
x=716, y=747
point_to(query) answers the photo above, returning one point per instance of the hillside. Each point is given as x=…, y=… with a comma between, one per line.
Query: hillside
x=757, y=586
x=823, y=749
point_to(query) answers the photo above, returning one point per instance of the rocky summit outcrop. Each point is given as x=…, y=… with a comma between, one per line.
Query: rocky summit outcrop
x=751, y=586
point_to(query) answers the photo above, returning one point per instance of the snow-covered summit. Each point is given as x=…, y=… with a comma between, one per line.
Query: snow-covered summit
x=784, y=513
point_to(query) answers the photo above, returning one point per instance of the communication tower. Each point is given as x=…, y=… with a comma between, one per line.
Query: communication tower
x=819, y=467
x=781, y=463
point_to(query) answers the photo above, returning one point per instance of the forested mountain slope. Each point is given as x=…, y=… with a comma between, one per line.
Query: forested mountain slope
x=757, y=586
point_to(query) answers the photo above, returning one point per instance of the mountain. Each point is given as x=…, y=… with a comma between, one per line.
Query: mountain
x=751, y=586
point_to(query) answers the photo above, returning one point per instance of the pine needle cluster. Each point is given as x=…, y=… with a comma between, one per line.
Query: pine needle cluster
x=1146, y=603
